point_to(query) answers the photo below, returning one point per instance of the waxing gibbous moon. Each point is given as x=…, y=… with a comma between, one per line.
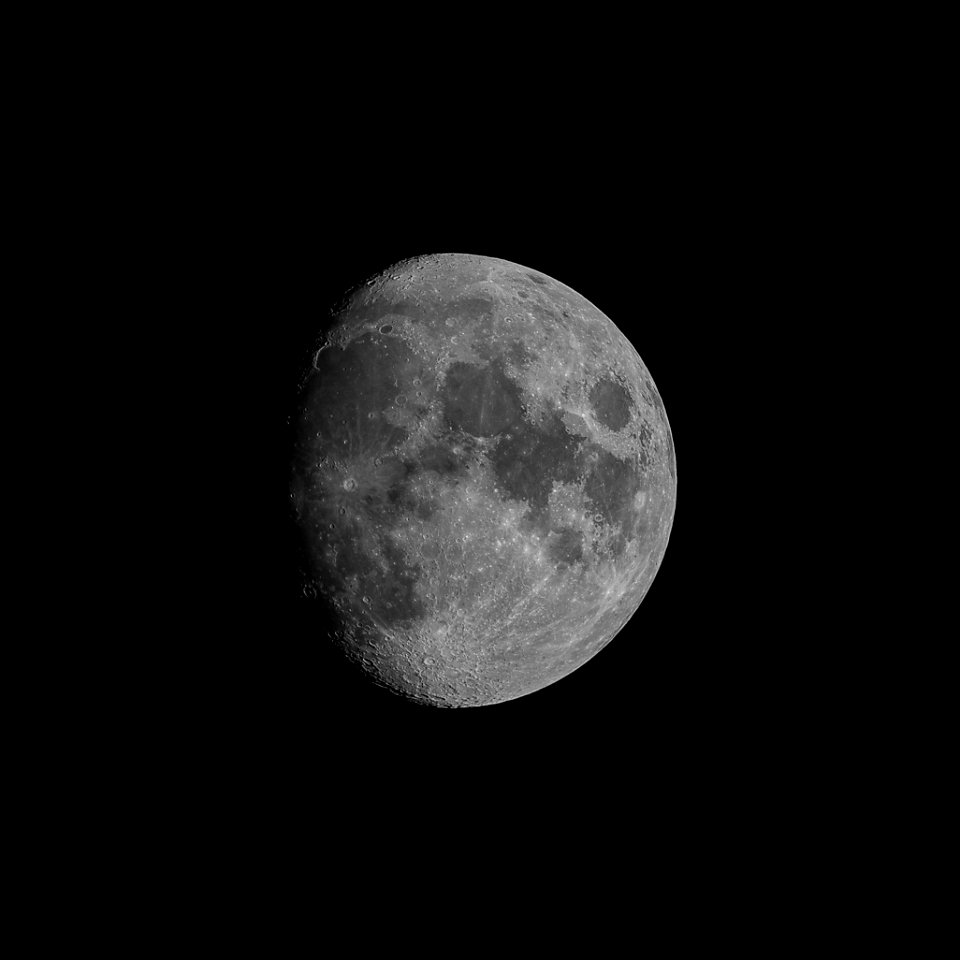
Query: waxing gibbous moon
x=484, y=477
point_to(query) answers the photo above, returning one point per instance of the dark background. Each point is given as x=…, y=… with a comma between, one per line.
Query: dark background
x=660, y=268
x=682, y=218
x=681, y=255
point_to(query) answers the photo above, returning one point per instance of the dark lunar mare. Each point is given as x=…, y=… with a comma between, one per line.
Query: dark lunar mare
x=530, y=457
x=349, y=549
x=611, y=403
x=351, y=384
x=611, y=484
x=482, y=401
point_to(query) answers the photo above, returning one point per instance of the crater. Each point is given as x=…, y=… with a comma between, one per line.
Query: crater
x=611, y=403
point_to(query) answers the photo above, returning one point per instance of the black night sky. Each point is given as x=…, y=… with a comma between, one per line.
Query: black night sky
x=665, y=257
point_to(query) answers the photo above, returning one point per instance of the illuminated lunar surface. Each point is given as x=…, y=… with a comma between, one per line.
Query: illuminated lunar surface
x=484, y=477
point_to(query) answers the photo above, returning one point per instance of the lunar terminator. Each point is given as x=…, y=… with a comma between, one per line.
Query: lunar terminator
x=484, y=477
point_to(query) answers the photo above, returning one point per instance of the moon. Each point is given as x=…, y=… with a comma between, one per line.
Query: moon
x=484, y=477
